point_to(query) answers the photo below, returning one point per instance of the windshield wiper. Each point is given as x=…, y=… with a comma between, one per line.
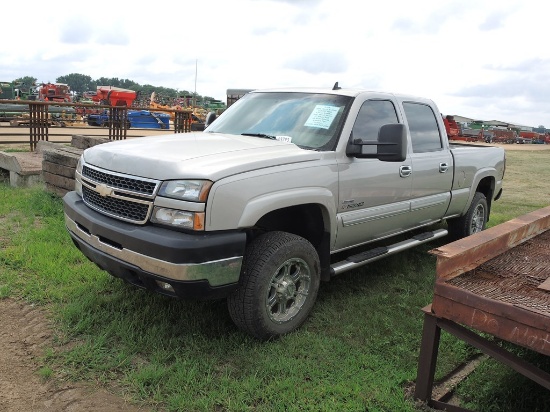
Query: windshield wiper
x=262, y=135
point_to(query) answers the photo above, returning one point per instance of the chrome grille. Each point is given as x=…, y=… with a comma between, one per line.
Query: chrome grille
x=124, y=197
x=119, y=181
x=125, y=209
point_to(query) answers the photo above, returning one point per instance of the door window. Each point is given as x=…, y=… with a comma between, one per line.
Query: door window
x=372, y=115
x=423, y=127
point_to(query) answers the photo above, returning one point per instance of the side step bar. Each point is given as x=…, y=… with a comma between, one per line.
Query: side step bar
x=361, y=259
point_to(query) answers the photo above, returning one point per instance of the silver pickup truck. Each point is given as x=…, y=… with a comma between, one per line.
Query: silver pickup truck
x=255, y=208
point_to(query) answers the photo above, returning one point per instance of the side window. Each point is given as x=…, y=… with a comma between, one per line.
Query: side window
x=372, y=115
x=425, y=135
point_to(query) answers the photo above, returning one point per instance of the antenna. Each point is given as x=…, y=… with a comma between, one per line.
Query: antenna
x=336, y=87
x=195, y=94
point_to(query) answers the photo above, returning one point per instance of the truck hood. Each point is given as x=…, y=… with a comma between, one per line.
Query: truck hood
x=194, y=155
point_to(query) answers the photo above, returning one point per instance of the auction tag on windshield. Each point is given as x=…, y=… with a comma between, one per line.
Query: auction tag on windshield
x=322, y=116
x=286, y=139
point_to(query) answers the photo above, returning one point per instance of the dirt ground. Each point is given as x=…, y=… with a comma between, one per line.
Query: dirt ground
x=24, y=333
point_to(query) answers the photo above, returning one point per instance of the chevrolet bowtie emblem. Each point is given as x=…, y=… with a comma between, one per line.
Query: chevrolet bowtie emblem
x=103, y=190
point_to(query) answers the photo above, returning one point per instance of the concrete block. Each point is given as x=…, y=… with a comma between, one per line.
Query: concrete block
x=25, y=180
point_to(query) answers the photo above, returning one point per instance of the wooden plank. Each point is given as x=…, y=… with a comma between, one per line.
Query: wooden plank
x=58, y=169
x=84, y=142
x=58, y=181
x=62, y=157
x=466, y=254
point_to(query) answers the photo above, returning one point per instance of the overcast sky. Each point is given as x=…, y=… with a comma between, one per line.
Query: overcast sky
x=483, y=59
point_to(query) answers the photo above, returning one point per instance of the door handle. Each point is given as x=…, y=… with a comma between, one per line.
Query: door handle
x=405, y=171
x=443, y=167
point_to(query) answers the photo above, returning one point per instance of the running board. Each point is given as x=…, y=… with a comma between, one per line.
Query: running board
x=361, y=259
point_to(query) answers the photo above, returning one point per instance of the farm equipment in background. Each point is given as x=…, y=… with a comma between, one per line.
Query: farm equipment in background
x=198, y=114
x=451, y=126
x=57, y=117
x=17, y=91
x=533, y=137
x=456, y=132
x=54, y=92
x=504, y=136
x=154, y=105
x=113, y=96
x=84, y=111
x=478, y=131
x=143, y=119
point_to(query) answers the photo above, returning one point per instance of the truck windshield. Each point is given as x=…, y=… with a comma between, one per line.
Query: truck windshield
x=309, y=120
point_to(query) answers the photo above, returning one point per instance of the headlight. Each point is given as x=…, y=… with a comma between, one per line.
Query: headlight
x=178, y=218
x=191, y=190
x=77, y=182
x=79, y=165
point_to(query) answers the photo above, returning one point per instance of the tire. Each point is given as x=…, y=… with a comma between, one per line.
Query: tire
x=278, y=285
x=474, y=221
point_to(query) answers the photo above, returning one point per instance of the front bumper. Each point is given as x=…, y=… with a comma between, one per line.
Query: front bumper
x=200, y=266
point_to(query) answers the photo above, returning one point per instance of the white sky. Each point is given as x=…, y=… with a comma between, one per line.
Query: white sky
x=483, y=59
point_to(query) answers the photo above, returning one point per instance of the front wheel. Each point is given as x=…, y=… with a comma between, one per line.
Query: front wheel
x=474, y=221
x=278, y=285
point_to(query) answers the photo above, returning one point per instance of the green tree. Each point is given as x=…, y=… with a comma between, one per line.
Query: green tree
x=116, y=82
x=79, y=83
x=27, y=81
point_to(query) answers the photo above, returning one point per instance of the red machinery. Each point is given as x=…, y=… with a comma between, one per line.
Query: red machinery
x=114, y=96
x=504, y=136
x=534, y=137
x=55, y=92
x=453, y=130
x=451, y=126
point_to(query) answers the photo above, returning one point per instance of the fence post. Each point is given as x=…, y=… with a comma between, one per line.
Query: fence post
x=182, y=121
x=38, y=123
x=118, y=122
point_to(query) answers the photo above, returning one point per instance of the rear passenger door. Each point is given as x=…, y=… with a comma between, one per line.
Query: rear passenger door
x=432, y=164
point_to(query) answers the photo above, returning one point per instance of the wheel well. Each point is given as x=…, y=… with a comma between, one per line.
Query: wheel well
x=487, y=187
x=302, y=220
x=307, y=221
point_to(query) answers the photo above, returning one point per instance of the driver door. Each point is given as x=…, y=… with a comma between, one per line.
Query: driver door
x=374, y=196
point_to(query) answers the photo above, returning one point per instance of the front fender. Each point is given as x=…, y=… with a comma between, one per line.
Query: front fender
x=262, y=205
x=239, y=202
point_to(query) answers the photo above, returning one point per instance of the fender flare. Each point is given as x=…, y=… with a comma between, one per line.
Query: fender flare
x=478, y=177
x=260, y=206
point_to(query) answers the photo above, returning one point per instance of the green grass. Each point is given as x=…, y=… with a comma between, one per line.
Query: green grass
x=357, y=352
x=526, y=185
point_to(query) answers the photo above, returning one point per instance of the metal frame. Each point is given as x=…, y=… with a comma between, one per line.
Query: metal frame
x=429, y=349
x=466, y=313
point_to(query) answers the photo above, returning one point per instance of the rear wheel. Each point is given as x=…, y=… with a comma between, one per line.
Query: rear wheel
x=474, y=221
x=278, y=285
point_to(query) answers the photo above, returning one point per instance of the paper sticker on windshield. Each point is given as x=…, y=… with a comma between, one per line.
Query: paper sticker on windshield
x=286, y=139
x=322, y=116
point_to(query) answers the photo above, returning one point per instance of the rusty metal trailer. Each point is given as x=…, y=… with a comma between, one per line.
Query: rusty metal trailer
x=495, y=282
